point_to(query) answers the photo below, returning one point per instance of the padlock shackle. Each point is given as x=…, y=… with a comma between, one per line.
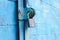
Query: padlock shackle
x=31, y=13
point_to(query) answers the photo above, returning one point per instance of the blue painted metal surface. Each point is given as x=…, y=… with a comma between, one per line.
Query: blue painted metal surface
x=8, y=21
x=47, y=20
x=21, y=17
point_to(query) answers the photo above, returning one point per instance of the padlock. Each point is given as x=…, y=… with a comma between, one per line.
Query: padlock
x=31, y=14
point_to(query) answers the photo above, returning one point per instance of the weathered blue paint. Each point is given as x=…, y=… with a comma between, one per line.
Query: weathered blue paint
x=8, y=22
x=47, y=20
x=21, y=23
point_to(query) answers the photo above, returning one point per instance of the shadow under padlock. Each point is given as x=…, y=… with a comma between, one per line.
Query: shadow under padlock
x=29, y=21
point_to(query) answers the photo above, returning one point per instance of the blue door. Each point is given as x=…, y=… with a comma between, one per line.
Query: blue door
x=8, y=22
x=47, y=20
